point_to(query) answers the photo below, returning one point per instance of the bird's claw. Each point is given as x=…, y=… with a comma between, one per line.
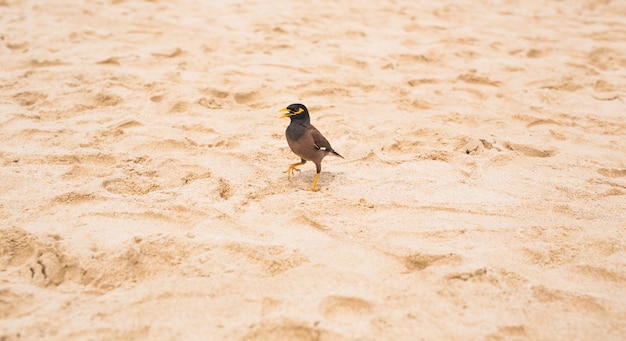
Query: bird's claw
x=291, y=171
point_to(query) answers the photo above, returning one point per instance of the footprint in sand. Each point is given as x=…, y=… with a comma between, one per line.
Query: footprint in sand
x=408, y=59
x=209, y=103
x=473, y=146
x=612, y=172
x=606, y=59
x=110, y=61
x=215, y=93
x=491, y=285
x=509, y=332
x=274, y=259
x=341, y=307
x=213, y=98
x=28, y=98
x=107, y=100
x=132, y=186
x=567, y=301
x=246, y=97
x=73, y=198
x=43, y=261
x=472, y=78
x=466, y=276
x=604, y=86
x=352, y=62
x=420, y=261
x=420, y=81
x=529, y=151
x=50, y=267
x=225, y=189
x=16, y=246
x=600, y=273
x=536, y=53
x=179, y=107
x=171, y=54
x=250, y=98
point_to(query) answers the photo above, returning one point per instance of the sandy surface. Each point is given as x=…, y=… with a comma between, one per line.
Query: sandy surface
x=143, y=193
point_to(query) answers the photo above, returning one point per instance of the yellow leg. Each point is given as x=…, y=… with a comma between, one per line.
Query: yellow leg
x=292, y=169
x=317, y=176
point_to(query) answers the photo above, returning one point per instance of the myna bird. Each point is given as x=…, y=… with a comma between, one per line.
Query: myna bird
x=305, y=140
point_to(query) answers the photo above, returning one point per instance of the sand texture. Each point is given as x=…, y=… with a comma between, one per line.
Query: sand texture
x=142, y=158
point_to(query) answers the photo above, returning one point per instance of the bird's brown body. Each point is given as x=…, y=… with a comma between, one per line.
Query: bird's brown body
x=305, y=140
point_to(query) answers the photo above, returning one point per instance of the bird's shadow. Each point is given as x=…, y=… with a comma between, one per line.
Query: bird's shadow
x=304, y=179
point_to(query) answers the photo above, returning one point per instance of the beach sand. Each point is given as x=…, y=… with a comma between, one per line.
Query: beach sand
x=143, y=193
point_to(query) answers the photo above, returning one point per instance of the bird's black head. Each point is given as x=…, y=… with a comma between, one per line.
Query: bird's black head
x=296, y=111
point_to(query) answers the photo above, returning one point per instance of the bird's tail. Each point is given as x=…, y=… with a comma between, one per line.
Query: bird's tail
x=337, y=154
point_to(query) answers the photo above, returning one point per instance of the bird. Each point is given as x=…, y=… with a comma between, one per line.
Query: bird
x=305, y=140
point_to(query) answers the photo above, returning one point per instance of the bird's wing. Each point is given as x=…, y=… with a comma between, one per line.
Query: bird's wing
x=321, y=143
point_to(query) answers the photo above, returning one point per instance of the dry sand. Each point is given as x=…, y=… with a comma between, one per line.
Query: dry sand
x=143, y=193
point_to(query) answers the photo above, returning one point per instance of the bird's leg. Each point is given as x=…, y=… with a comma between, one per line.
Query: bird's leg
x=292, y=168
x=317, y=176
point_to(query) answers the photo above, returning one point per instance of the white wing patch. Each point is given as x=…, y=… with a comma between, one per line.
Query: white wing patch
x=324, y=149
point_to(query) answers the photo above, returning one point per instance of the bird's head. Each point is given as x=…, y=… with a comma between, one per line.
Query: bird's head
x=295, y=111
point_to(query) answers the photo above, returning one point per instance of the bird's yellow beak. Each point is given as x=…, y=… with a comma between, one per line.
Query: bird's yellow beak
x=286, y=111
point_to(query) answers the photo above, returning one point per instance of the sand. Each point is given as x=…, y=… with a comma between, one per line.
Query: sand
x=143, y=193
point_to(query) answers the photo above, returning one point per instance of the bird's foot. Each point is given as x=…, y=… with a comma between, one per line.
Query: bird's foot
x=292, y=170
x=312, y=189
